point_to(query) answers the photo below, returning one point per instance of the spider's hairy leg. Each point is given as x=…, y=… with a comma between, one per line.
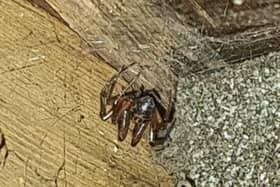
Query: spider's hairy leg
x=158, y=137
x=130, y=84
x=138, y=132
x=152, y=136
x=154, y=125
x=170, y=108
x=106, y=94
x=123, y=125
x=104, y=115
x=160, y=129
x=168, y=113
x=168, y=120
x=107, y=90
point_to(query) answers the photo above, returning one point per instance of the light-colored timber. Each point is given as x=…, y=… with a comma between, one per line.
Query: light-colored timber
x=49, y=105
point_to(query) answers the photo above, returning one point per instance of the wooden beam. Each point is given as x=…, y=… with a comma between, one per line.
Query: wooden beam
x=236, y=33
x=49, y=105
x=123, y=32
x=203, y=13
x=248, y=44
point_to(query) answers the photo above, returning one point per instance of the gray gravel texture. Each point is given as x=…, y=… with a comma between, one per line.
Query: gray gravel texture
x=227, y=131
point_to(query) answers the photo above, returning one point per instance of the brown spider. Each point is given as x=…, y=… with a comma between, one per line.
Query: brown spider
x=142, y=107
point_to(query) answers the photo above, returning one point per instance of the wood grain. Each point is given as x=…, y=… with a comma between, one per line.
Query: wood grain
x=235, y=33
x=124, y=32
x=49, y=103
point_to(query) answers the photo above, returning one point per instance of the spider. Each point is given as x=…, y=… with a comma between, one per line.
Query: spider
x=142, y=107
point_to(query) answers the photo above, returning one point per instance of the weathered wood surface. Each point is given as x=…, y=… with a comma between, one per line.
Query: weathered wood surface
x=49, y=103
x=248, y=44
x=122, y=32
x=236, y=33
x=221, y=17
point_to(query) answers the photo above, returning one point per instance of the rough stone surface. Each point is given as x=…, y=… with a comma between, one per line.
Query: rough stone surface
x=228, y=126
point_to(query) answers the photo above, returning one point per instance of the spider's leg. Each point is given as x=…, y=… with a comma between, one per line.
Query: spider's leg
x=170, y=107
x=107, y=90
x=119, y=108
x=168, y=120
x=157, y=138
x=159, y=130
x=164, y=132
x=153, y=132
x=123, y=125
x=155, y=95
x=138, y=132
x=130, y=84
x=104, y=115
x=106, y=94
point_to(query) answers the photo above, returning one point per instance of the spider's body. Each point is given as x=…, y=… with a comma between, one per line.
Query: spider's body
x=143, y=108
x=145, y=105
